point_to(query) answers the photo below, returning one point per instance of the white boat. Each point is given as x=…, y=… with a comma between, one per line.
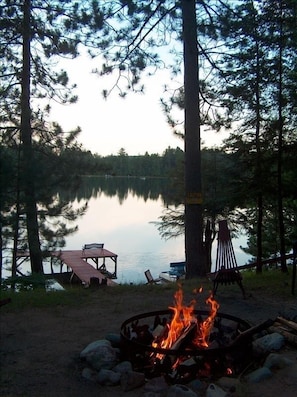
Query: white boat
x=175, y=273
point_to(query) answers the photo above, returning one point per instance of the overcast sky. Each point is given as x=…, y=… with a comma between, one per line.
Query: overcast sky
x=136, y=123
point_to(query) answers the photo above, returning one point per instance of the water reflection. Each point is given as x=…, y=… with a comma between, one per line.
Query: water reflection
x=125, y=228
x=122, y=187
x=120, y=214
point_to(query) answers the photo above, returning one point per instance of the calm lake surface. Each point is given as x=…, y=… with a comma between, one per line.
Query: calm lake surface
x=124, y=223
x=126, y=229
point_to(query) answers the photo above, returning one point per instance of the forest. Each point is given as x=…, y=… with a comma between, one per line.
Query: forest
x=238, y=63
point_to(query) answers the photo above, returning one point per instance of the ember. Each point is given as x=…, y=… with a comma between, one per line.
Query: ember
x=182, y=343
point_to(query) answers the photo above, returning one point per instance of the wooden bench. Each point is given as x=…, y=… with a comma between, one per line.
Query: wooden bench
x=93, y=246
x=226, y=271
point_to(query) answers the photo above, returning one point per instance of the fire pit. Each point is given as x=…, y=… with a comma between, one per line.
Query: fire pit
x=228, y=352
x=182, y=343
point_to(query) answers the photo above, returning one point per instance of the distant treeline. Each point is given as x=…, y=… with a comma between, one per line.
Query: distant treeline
x=156, y=165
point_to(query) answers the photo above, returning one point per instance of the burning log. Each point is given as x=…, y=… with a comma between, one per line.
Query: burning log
x=185, y=337
x=183, y=340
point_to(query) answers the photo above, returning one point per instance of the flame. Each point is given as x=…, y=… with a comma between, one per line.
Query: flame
x=183, y=318
x=204, y=327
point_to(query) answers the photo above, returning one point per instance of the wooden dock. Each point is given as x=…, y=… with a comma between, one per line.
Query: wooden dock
x=76, y=261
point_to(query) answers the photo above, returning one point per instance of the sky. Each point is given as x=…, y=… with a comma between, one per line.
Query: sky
x=135, y=123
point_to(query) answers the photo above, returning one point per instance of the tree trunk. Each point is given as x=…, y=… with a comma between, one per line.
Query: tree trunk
x=16, y=220
x=280, y=148
x=26, y=138
x=1, y=247
x=208, y=241
x=194, y=253
x=258, y=164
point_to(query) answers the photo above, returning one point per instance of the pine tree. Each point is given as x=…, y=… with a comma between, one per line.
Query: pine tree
x=141, y=32
x=252, y=77
x=34, y=34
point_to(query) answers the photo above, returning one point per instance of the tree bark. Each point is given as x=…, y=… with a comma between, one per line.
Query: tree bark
x=258, y=164
x=194, y=254
x=26, y=138
x=280, y=147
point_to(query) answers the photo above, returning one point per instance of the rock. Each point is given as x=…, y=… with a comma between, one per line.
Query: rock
x=114, y=339
x=132, y=380
x=230, y=384
x=89, y=374
x=123, y=367
x=92, y=346
x=197, y=385
x=258, y=375
x=156, y=385
x=151, y=394
x=100, y=354
x=180, y=391
x=268, y=343
x=108, y=377
x=277, y=361
x=215, y=391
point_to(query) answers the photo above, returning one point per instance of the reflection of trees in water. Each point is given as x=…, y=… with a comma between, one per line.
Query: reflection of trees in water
x=145, y=188
x=241, y=218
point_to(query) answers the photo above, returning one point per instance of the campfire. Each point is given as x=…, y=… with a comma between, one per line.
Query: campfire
x=184, y=321
x=182, y=343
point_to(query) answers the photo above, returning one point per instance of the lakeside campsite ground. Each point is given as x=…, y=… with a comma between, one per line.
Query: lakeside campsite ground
x=42, y=334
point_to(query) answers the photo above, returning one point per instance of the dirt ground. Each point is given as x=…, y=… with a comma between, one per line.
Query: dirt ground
x=40, y=347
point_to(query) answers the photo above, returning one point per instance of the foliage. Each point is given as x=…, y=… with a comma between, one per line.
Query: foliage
x=153, y=165
x=26, y=283
x=247, y=80
x=34, y=34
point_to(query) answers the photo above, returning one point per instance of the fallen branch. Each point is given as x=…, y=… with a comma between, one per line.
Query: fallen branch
x=288, y=323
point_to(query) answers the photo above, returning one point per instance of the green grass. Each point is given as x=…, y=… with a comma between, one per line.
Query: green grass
x=272, y=283
x=39, y=298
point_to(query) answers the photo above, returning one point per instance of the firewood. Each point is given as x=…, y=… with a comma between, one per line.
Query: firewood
x=291, y=338
x=183, y=339
x=289, y=323
x=246, y=335
x=181, y=342
x=282, y=326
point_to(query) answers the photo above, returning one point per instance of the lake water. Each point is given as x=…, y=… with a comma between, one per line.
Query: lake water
x=125, y=227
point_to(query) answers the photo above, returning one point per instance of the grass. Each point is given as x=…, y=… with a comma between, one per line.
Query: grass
x=271, y=283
